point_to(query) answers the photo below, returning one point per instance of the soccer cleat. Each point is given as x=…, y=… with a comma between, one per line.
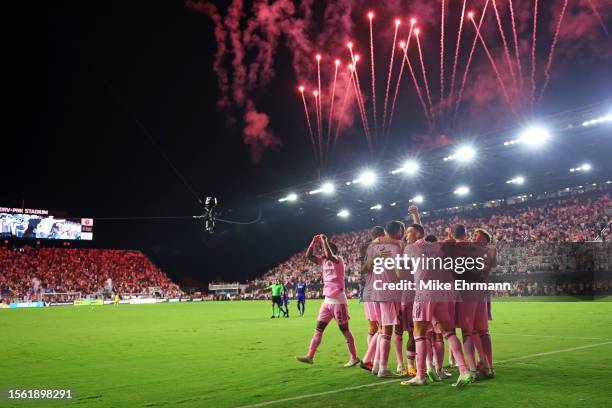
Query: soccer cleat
x=272, y=317
x=443, y=374
x=411, y=372
x=416, y=381
x=384, y=372
x=366, y=366
x=432, y=375
x=463, y=380
x=400, y=370
x=352, y=362
x=375, y=369
x=485, y=372
x=305, y=359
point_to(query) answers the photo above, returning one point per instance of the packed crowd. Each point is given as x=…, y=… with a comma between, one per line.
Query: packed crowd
x=79, y=270
x=576, y=219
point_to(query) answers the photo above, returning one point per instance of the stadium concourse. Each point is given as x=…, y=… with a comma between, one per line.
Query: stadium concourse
x=579, y=216
x=78, y=270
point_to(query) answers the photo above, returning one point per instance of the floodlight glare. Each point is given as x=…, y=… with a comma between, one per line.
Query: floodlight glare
x=465, y=154
x=290, y=197
x=534, y=136
x=462, y=190
x=516, y=180
x=418, y=199
x=343, y=213
x=586, y=167
x=367, y=178
x=328, y=188
x=410, y=167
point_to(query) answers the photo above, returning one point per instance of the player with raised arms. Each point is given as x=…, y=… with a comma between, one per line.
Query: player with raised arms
x=335, y=305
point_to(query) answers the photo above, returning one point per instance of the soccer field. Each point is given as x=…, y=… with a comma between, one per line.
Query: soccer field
x=229, y=354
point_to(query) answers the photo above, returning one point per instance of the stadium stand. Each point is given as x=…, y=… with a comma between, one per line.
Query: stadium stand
x=576, y=218
x=79, y=270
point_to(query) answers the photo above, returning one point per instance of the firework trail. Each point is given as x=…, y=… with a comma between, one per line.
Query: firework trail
x=442, y=56
x=506, y=49
x=331, y=105
x=370, y=17
x=552, y=50
x=471, y=55
x=312, y=139
x=416, y=32
x=601, y=23
x=343, y=106
x=492, y=61
x=453, y=75
x=359, y=94
x=533, y=53
x=318, y=118
x=364, y=117
x=516, y=47
x=417, y=87
x=318, y=105
x=397, y=24
x=399, y=78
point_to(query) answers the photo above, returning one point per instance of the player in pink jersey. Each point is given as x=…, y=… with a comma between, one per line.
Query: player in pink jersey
x=335, y=305
x=388, y=303
x=483, y=237
x=467, y=312
x=431, y=307
x=371, y=310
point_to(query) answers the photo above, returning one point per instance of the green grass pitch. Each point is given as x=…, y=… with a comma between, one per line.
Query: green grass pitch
x=228, y=354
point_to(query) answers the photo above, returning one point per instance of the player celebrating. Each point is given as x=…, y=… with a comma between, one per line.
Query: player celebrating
x=483, y=311
x=431, y=308
x=300, y=287
x=335, y=304
x=371, y=310
x=388, y=305
x=277, y=290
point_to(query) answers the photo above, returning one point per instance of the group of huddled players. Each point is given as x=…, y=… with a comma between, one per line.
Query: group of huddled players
x=427, y=322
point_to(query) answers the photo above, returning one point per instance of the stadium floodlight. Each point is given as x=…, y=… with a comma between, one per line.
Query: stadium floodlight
x=534, y=136
x=326, y=188
x=393, y=204
x=343, y=213
x=289, y=197
x=411, y=167
x=584, y=167
x=516, y=180
x=602, y=119
x=463, y=154
x=462, y=190
x=367, y=178
x=376, y=207
x=417, y=199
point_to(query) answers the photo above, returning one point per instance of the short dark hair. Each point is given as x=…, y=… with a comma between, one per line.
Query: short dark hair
x=419, y=228
x=377, y=231
x=431, y=238
x=333, y=247
x=393, y=227
x=458, y=231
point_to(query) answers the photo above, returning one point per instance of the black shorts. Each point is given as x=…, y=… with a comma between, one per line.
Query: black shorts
x=276, y=300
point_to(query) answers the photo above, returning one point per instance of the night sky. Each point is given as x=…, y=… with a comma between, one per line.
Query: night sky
x=88, y=73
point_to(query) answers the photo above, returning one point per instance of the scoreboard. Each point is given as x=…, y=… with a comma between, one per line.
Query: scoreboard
x=30, y=223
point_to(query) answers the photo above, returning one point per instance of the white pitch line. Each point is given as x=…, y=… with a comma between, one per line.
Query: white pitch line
x=560, y=337
x=357, y=387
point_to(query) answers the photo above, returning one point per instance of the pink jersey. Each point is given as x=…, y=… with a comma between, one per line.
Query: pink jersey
x=333, y=277
x=392, y=248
